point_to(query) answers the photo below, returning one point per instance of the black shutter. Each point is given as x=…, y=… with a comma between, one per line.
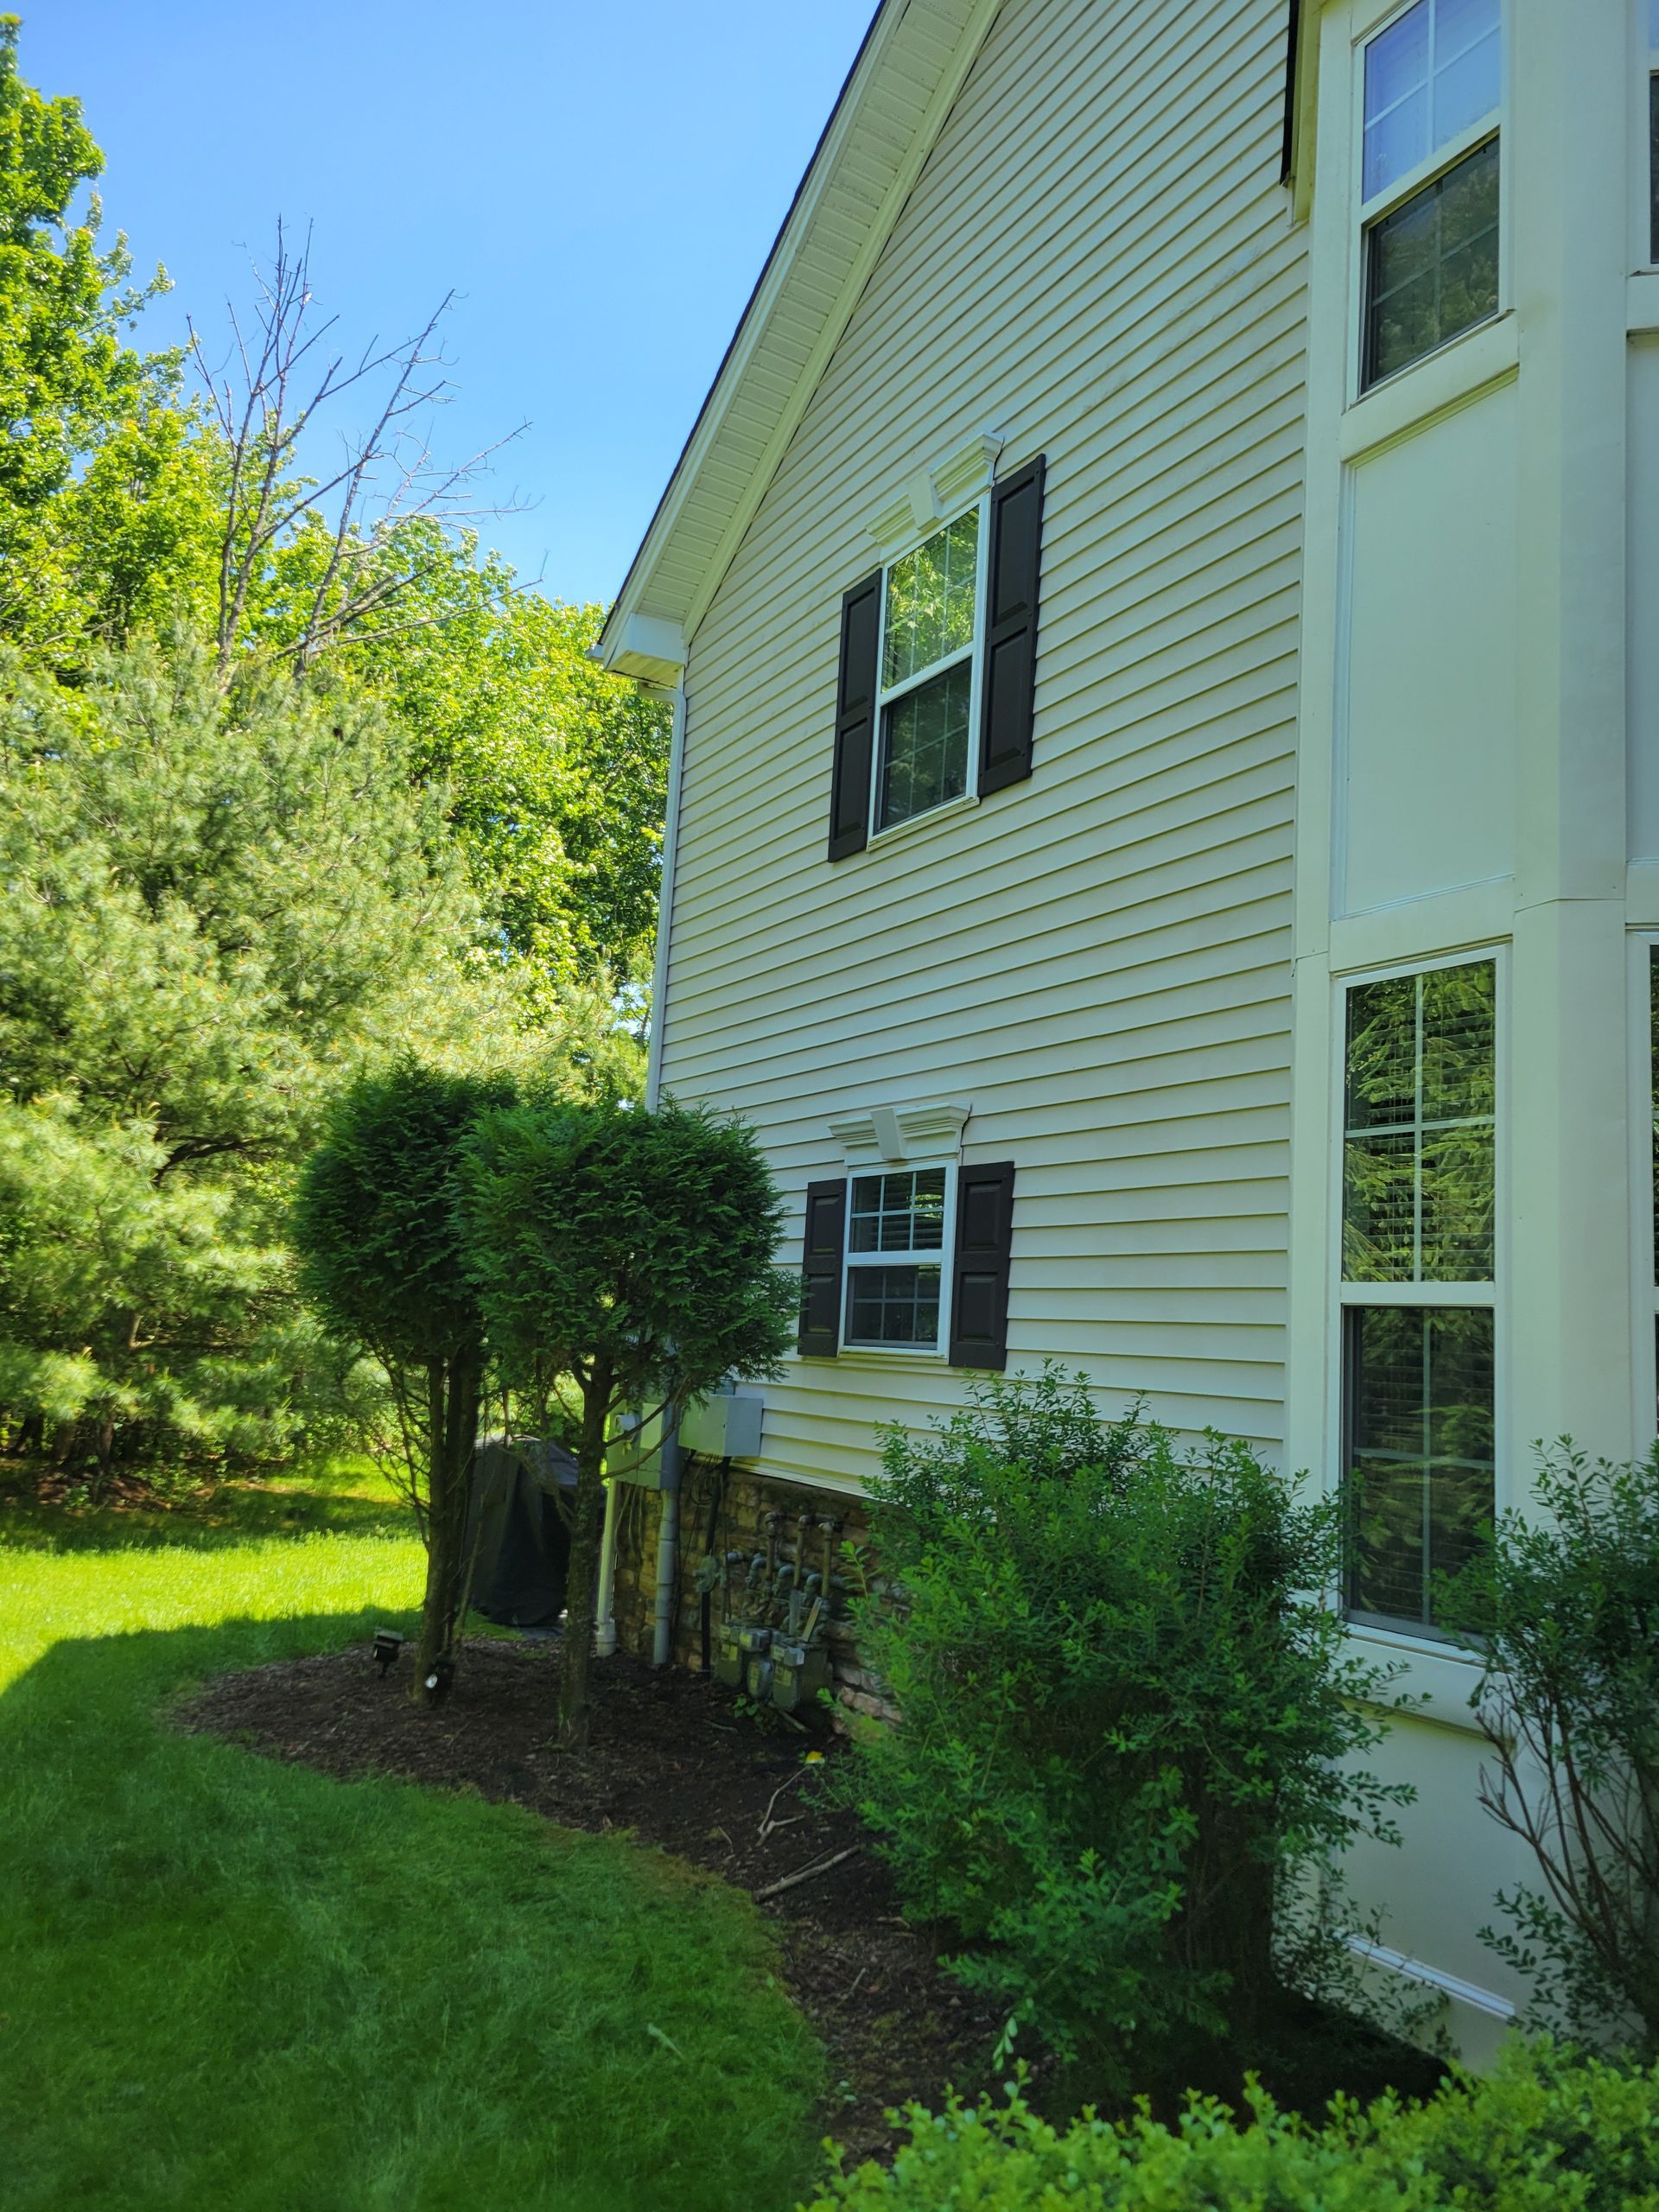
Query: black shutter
x=1011, y=629
x=850, y=799
x=979, y=1274
x=819, y=1337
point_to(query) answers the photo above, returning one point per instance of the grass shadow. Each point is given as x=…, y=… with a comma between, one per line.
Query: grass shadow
x=220, y=1515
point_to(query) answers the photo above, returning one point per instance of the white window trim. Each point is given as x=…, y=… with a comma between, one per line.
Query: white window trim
x=1645, y=57
x=1493, y=125
x=887, y=696
x=942, y=1255
x=1345, y=1296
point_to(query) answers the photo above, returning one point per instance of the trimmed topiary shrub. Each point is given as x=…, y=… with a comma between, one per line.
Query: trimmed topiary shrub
x=1547, y=2132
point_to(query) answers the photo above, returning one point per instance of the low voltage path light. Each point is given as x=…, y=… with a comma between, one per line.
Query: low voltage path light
x=387, y=1645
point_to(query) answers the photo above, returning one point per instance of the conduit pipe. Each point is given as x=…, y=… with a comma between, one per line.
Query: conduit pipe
x=605, y=1610
x=668, y=1548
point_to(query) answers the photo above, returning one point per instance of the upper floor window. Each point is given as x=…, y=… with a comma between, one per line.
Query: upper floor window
x=1653, y=130
x=1418, y=1293
x=930, y=625
x=936, y=691
x=1430, y=180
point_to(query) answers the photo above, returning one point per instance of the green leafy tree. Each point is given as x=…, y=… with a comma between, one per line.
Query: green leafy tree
x=630, y=1255
x=130, y=505
x=377, y=1225
x=70, y=385
x=220, y=907
x=127, y=1296
x=556, y=771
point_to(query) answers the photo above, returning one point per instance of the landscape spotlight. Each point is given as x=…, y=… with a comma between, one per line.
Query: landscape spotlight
x=439, y=1676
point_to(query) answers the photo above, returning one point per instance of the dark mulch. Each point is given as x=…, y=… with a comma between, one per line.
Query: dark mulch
x=673, y=1760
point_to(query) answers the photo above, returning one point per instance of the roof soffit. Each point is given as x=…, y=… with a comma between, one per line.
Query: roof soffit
x=912, y=65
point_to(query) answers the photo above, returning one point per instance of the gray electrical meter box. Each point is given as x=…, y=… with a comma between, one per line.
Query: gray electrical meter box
x=725, y=1427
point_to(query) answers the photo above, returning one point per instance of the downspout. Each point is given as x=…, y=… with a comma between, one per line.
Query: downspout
x=668, y=1546
x=665, y=899
x=605, y=1611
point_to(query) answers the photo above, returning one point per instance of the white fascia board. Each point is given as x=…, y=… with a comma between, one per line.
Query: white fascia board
x=749, y=343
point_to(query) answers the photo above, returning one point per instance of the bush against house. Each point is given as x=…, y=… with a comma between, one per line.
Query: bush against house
x=1131, y=1731
x=1547, y=2132
x=1565, y=1605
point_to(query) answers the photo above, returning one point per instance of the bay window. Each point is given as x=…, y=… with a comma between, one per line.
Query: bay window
x=1430, y=180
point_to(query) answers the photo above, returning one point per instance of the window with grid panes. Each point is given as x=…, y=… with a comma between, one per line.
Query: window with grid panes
x=1429, y=179
x=1419, y=1206
x=895, y=1258
x=930, y=620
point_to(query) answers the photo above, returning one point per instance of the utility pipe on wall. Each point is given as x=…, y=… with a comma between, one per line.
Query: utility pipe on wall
x=605, y=1608
x=668, y=1546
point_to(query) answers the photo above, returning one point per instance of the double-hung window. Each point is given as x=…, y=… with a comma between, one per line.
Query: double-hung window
x=895, y=1258
x=1432, y=84
x=935, y=698
x=931, y=615
x=1419, y=1212
x=902, y=1258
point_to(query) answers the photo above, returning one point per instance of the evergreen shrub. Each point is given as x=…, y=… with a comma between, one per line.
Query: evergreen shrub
x=1547, y=2132
x=1130, y=1724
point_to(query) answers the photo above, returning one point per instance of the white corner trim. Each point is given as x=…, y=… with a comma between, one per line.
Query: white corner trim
x=937, y=492
x=1448, y=1984
x=929, y=1129
x=665, y=903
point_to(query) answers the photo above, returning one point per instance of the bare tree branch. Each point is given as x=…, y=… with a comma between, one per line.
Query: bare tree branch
x=266, y=400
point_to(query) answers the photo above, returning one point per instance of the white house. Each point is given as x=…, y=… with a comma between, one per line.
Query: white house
x=1162, y=608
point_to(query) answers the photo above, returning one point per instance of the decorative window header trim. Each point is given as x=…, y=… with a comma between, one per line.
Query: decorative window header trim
x=931, y=1131
x=937, y=492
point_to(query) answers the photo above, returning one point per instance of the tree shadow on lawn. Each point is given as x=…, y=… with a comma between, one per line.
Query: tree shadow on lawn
x=219, y=1516
x=228, y=1981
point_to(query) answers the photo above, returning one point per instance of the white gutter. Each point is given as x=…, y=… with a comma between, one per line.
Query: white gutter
x=666, y=902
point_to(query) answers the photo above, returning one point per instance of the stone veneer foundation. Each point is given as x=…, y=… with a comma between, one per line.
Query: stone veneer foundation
x=739, y=1503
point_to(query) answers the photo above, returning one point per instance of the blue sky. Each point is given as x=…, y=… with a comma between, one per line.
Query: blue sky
x=600, y=184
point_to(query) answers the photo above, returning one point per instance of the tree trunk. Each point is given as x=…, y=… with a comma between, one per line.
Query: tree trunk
x=587, y=1516
x=452, y=1399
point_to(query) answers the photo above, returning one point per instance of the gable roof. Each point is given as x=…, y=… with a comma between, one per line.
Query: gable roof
x=913, y=63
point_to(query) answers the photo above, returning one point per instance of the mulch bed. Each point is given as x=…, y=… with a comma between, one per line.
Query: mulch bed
x=673, y=1760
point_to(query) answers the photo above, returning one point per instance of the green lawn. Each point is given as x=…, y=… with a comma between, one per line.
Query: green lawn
x=225, y=1982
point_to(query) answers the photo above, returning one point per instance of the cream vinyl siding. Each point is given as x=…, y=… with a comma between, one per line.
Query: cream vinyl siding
x=1097, y=260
